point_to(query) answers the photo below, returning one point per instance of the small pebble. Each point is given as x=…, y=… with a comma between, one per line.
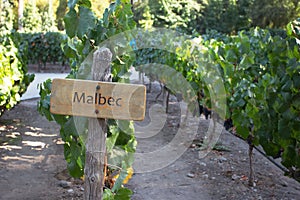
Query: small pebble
x=190, y=175
x=81, y=188
x=234, y=177
x=205, y=176
x=223, y=159
x=70, y=190
x=202, y=164
x=64, y=184
x=260, y=198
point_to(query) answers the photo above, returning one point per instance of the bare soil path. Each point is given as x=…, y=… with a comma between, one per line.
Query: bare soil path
x=31, y=162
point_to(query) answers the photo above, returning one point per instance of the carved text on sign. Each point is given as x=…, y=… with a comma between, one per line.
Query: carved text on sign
x=96, y=99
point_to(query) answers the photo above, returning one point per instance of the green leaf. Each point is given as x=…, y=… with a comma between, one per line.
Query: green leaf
x=241, y=122
x=45, y=88
x=231, y=56
x=118, y=155
x=244, y=45
x=121, y=178
x=288, y=115
x=284, y=129
x=85, y=3
x=111, y=140
x=73, y=154
x=108, y=195
x=72, y=48
x=70, y=128
x=247, y=61
x=84, y=71
x=289, y=29
x=296, y=80
x=243, y=131
x=86, y=22
x=240, y=103
x=287, y=97
x=269, y=147
x=287, y=86
x=81, y=126
x=126, y=126
x=60, y=119
x=123, y=194
x=71, y=22
x=131, y=145
x=289, y=156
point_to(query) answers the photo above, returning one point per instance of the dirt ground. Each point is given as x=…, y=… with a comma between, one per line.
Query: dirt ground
x=32, y=165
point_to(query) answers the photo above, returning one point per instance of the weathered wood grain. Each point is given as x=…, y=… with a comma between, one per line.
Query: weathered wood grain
x=98, y=99
x=97, y=133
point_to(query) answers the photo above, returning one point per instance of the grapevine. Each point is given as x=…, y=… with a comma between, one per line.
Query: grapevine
x=261, y=75
x=85, y=32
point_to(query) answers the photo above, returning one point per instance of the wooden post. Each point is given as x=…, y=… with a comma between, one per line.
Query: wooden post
x=96, y=141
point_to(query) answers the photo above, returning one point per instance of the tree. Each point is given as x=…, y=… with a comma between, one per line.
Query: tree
x=147, y=21
x=6, y=16
x=31, y=21
x=274, y=14
x=175, y=14
x=60, y=13
x=48, y=21
x=227, y=16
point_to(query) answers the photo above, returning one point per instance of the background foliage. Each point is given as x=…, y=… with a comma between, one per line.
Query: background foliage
x=13, y=67
x=13, y=74
x=41, y=48
x=227, y=16
x=261, y=76
x=189, y=16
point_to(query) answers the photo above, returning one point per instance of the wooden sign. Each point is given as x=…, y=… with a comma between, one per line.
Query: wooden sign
x=98, y=99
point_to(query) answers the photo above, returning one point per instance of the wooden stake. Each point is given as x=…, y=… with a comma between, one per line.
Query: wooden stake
x=251, y=173
x=251, y=146
x=97, y=132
